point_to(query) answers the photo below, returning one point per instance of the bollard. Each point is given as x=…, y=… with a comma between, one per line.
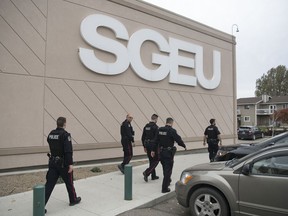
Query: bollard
x=128, y=182
x=39, y=200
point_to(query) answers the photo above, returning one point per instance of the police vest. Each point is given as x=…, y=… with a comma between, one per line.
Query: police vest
x=56, y=142
x=164, y=137
x=212, y=132
x=150, y=131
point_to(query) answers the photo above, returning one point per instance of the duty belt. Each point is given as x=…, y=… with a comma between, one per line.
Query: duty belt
x=167, y=148
x=56, y=158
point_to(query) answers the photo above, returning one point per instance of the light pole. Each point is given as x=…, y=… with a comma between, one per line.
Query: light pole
x=237, y=28
x=234, y=76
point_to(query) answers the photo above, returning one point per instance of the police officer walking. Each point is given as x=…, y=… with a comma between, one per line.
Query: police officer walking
x=212, y=136
x=148, y=140
x=127, y=138
x=165, y=140
x=60, y=162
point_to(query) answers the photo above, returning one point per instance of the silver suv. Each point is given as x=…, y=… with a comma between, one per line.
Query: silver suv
x=256, y=184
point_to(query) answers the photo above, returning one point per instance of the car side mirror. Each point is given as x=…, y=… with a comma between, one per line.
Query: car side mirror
x=246, y=169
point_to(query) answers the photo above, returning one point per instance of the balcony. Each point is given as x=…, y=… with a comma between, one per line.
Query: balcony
x=265, y=111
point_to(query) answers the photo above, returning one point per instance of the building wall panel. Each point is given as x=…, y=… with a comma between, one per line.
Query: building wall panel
x=160, y=108
x=17, y=47
x=197, y=112
x=21, y=111
x=136, y=95
x=21, y=26
x=187, y=113
x=42, y=5
x=109, y=101
x=96, y=107
x=215, y=113
x=79, y=110
x=8, y=64
x=224, y=112
x=33, y=15
x=165, y=98
x=131, y=107
x=55, y=108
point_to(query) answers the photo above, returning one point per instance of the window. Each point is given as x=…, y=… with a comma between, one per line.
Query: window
x=246, y=118
x=246, y=107
x=275, y=165
x=272, y=108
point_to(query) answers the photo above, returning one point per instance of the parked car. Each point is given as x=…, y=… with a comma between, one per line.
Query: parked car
x=229, y=152
x=256, y=184
x=249, y=132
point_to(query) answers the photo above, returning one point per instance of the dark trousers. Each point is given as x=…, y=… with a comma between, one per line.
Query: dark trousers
x=153, y=162
x=51, y=179
x=212, y=149
x=128, y=152
x=167, y=161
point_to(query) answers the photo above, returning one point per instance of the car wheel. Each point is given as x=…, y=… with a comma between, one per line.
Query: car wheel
x=207, y=201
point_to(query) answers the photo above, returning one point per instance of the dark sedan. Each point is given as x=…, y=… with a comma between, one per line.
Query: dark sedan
x=229, y=152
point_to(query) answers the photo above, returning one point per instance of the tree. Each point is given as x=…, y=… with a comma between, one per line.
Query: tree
x=274, y=83
x=281, y=115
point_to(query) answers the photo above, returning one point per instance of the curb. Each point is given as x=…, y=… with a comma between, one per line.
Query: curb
x=158, y=200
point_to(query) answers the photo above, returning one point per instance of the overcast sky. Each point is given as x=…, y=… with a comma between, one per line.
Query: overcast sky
x=262, y=40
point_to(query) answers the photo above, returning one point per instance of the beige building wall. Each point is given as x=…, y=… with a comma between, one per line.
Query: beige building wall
x=42, y=78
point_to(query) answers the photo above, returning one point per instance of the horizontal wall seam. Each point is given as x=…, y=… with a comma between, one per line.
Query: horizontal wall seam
x=84, y=147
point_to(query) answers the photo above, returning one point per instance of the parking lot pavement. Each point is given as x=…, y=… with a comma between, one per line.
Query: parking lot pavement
x=168, y=207
x=252, y=141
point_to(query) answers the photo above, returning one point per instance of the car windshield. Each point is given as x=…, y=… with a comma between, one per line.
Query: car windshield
x=274, y=139
x=244, y=128
x=235, y=161
x=230, y=163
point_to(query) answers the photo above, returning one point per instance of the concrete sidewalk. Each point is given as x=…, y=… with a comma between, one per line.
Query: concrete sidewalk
x=102, y=195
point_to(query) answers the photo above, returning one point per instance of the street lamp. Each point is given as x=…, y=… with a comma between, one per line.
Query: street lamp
x=234, y=73
x=237, y=29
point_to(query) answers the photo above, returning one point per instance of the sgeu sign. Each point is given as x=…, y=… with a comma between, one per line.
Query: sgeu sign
x=168, y=64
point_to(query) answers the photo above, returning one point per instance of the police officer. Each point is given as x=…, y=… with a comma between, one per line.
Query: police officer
x=212, y=136
x=148, y=140
x=127, y=138
x=165, y=140
x=60, y=161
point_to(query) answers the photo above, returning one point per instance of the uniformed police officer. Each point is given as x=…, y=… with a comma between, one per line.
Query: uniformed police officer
x=212, y=136
x=149, y=143
x=165, y=140
x=60, y=161
x=127, y=138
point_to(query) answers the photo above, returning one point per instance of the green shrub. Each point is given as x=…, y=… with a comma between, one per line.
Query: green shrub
x=96, y=169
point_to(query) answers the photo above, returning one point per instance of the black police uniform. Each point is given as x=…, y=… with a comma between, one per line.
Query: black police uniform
x=212, y=133
x=127, y=137
x=61, y=157
x=165, y=139
x=148, y=140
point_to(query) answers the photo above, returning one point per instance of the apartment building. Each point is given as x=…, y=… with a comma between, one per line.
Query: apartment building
x=259, y=110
